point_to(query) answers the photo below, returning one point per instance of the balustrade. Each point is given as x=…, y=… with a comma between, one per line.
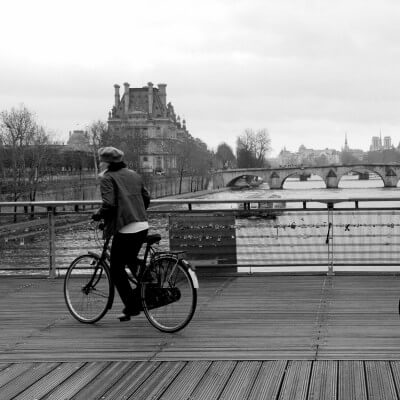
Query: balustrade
x=251, y=235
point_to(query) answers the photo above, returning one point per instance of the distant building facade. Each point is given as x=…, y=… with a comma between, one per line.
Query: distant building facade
x=142, y=118
x=305, y=156
x=377, y=145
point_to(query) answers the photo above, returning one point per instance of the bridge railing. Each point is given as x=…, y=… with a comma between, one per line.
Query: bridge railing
x=251, y=235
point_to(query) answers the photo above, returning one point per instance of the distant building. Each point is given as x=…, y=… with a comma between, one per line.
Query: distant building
x=377, y=145
x=387, y=143
x=142, y=117
x=79, y=140
x=286, y=158
x=306, y=156
x=356, y=153
x=312, y=157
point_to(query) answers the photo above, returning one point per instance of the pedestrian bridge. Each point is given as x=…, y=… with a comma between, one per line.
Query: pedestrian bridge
x=253, y=336
x=330, y=174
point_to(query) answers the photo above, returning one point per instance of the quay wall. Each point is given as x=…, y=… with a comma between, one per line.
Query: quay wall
x=87, y=188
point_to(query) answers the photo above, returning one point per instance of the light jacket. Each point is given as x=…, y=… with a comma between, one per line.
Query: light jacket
x=125, y=199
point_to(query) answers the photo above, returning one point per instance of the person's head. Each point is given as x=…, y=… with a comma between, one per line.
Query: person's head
x=109, y=155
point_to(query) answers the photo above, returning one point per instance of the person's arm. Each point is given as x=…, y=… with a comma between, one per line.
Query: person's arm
x=108, y=196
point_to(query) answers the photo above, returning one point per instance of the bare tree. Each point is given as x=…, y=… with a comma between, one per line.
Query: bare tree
x=26, y=144
x=252, y=147
x=97, y=132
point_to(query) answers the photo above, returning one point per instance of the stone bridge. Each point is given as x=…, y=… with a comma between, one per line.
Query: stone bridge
x=330, y=174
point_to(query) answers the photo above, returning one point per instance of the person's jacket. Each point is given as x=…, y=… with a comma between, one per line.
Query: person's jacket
x=125, y=199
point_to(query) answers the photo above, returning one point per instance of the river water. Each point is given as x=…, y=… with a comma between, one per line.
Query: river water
x=366, y=240
x=262, y=243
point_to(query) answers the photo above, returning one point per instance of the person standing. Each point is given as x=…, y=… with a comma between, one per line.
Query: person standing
x=123, y=209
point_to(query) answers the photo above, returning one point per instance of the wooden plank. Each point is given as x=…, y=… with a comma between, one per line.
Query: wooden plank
x=183, y=385
x=242, y=379
x=72, y=385
x=238, y=318
x=296, y=381
x=131, y=381
x=47, y=383
x=213, y=381
x=268, y=381
x=323, y=380
x=13, y=371
x=26, y=379
x=380, y=382
x=395, y=365
x=104, y=380
x=158, y=381
x=351, y=384
x=4, y=366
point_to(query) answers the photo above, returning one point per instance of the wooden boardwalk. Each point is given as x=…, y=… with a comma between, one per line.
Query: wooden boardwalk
x=253, y=337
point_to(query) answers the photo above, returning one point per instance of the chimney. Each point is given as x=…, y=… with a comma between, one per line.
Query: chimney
x=126, y=97
x=117, y=99
x=150, y=97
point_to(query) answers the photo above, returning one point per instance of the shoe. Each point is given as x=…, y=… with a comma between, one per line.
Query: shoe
x=127, y=314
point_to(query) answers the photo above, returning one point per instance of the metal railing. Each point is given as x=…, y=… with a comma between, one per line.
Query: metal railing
x=255, y=234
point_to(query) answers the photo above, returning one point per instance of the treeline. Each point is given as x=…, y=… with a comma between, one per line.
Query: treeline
x=252, y=148
x=28, y=157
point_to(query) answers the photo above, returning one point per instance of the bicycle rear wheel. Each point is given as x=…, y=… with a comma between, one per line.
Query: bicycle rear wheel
x=88, y=289
x=169, y=297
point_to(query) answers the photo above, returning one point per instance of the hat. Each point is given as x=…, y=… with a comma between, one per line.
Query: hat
x=110, y=154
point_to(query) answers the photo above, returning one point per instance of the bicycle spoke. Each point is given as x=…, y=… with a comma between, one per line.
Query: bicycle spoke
x=87, y=289
x=169, y=305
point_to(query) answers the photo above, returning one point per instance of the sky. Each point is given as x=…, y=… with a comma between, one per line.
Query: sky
x=307, y=71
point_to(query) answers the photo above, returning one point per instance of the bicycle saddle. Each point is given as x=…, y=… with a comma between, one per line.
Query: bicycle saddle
x=153, y=238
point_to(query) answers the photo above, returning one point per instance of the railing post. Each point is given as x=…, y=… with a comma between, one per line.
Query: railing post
x=51, y=212
x=329, y=240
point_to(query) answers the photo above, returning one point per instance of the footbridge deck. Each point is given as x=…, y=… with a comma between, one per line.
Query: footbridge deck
x=253, y=337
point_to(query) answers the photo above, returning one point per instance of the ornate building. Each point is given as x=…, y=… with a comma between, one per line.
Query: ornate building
x=377, y=145
x=146, y=127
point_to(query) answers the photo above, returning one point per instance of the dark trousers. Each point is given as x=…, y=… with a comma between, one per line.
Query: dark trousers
x=124, y=250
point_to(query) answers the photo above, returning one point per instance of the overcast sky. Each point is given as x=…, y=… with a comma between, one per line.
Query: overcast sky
x=307, y=71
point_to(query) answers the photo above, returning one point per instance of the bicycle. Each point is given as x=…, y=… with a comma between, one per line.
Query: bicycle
x=167, y=284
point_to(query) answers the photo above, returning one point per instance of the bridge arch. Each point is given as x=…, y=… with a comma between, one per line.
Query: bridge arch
x=299, y=173
x=247, y=177
x=363, y=169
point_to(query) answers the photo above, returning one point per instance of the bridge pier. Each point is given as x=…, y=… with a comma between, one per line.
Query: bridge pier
x=275, y=182
x=331, y=180
x=390, y=181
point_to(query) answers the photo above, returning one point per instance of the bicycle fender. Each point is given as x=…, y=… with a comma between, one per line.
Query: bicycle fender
x=194, y=278
x=93, y=254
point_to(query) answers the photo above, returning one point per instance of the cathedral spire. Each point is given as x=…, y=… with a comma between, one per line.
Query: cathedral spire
x=346, y=145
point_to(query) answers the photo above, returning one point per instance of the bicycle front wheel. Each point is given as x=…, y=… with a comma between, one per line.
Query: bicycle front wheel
x=88, y=289
x=169, y=297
